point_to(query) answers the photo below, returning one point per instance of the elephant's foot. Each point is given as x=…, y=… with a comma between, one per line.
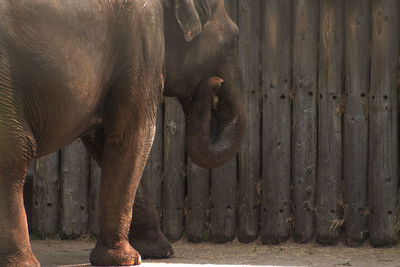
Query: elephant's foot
x=19, y=259
x=152, y=246
x=120, y=254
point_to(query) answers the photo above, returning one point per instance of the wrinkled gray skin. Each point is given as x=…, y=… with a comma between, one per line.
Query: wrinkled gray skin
x=96, y=70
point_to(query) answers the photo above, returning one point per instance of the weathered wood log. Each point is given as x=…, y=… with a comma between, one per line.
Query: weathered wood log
x=197, y=208
x=174, y=170
x=355, y=146
x=277, y=61
x=250, y=153
x=94, y=190
x=383, y=171
x=46, y=194
x=329, y=175
x=223, y=203
x=232, y=7
x=74, y=190
x=304, y=137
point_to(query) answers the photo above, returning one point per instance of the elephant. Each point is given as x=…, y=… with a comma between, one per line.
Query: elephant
x=96, y=70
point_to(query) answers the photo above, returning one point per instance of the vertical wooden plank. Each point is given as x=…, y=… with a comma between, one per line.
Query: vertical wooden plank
x=304, y=138
x=197, y=203
x=250, y=152
x=174, y=170
x=28, y=195
x=153, y=171
x=355, y=146
x=277, y=58
x=231, y=7
x=46, y=184
x=223, y=186
x=74, y=189
x=222, y=204
x=331, y=109
x=94, y=190
x=383, y=139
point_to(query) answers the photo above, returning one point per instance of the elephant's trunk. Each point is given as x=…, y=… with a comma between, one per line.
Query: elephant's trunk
x=215, y=123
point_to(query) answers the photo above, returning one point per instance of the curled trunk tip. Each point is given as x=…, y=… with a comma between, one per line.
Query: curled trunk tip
x=216, y=124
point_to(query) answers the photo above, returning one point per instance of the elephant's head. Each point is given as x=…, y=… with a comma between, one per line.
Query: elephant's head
x=201, y=70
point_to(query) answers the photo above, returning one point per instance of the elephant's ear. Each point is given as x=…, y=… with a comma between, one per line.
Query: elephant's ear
x=188, y=19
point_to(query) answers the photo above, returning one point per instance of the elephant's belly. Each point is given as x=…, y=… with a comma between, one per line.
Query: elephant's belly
x=55, y=140
x=65, y=115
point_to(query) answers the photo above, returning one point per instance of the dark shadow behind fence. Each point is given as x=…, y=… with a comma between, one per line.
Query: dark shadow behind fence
x=320, y=156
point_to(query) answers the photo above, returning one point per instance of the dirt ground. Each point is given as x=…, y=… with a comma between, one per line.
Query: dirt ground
x=76, y=253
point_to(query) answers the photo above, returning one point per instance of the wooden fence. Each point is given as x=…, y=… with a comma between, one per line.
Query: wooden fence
x=320, y=156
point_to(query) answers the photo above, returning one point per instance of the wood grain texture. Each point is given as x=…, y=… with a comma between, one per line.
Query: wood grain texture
x=304, y=136
x=383, y=130
x=152, y=173
x=329, y=174
x=355, y=146
x=223, y=203
x=174, y=170
x=277, y=60
x=46, y=194
x=94, y=191
x=197, y=209
x=249, y=17
x=232, y=7
x=74, y=215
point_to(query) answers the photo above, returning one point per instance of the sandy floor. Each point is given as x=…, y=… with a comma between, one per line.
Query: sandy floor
x=76, y=253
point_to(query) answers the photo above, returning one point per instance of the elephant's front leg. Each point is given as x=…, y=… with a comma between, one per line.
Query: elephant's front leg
x=145, y=234
x=129, y=134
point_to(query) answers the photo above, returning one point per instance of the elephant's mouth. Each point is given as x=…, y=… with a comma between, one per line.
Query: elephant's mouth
x=215, y=123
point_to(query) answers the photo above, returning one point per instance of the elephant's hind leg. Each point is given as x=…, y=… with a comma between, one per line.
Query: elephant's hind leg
x=145, y=233
x=16, y=151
